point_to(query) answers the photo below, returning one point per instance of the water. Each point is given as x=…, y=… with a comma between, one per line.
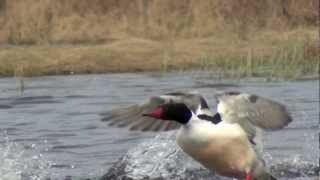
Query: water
x=53, y=128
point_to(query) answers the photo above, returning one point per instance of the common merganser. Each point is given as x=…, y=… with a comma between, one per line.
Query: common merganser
x=223, y=142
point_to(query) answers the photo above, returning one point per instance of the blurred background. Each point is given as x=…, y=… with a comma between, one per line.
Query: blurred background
x=45, y=37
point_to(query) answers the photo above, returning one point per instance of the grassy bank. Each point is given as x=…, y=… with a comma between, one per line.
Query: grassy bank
x=235, y=38
x=289, y=54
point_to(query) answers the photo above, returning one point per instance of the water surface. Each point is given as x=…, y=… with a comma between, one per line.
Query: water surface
x=53, y=128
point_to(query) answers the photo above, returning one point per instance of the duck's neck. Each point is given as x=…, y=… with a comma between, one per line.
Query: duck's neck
x=195, y=121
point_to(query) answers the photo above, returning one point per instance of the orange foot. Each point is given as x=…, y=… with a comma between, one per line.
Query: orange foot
x=248, y=176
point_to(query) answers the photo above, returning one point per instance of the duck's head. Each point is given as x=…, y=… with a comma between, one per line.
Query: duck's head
x=173, y=112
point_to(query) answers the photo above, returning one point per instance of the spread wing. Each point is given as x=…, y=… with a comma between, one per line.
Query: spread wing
x=252, y=112
x=132, y=118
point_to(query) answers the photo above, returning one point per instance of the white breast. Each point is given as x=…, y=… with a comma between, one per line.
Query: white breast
x=223, y=148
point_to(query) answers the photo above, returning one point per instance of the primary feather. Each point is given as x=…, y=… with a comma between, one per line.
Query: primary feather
x=131, y=116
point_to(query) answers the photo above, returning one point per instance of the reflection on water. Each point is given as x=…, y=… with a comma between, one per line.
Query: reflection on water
x=53, y=128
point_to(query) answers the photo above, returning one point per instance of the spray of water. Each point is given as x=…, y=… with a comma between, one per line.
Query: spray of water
x=22, y=162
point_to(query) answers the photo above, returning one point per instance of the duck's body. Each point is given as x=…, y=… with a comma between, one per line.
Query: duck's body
x=218, y=147
x=224, y=142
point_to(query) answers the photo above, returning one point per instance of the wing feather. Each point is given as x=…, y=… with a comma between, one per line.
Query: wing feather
x=132, y=118
x=252, y=112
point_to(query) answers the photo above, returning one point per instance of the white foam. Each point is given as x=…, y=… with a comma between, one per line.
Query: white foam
x=19, y=161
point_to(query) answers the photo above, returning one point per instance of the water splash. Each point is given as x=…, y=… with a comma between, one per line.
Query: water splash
x=161, y=158
x=291, y=167
x=22, y=162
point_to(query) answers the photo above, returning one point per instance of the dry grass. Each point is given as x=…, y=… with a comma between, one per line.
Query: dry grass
x=269, y=54
x=238, y=38
x=97, y=21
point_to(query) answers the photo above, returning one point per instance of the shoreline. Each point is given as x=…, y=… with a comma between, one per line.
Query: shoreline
x=192, y=71
x=290, y=55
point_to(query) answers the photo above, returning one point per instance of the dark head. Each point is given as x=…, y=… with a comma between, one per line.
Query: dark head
x=174, y=111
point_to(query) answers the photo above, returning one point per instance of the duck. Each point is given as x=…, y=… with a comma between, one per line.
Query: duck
x=227, y=142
